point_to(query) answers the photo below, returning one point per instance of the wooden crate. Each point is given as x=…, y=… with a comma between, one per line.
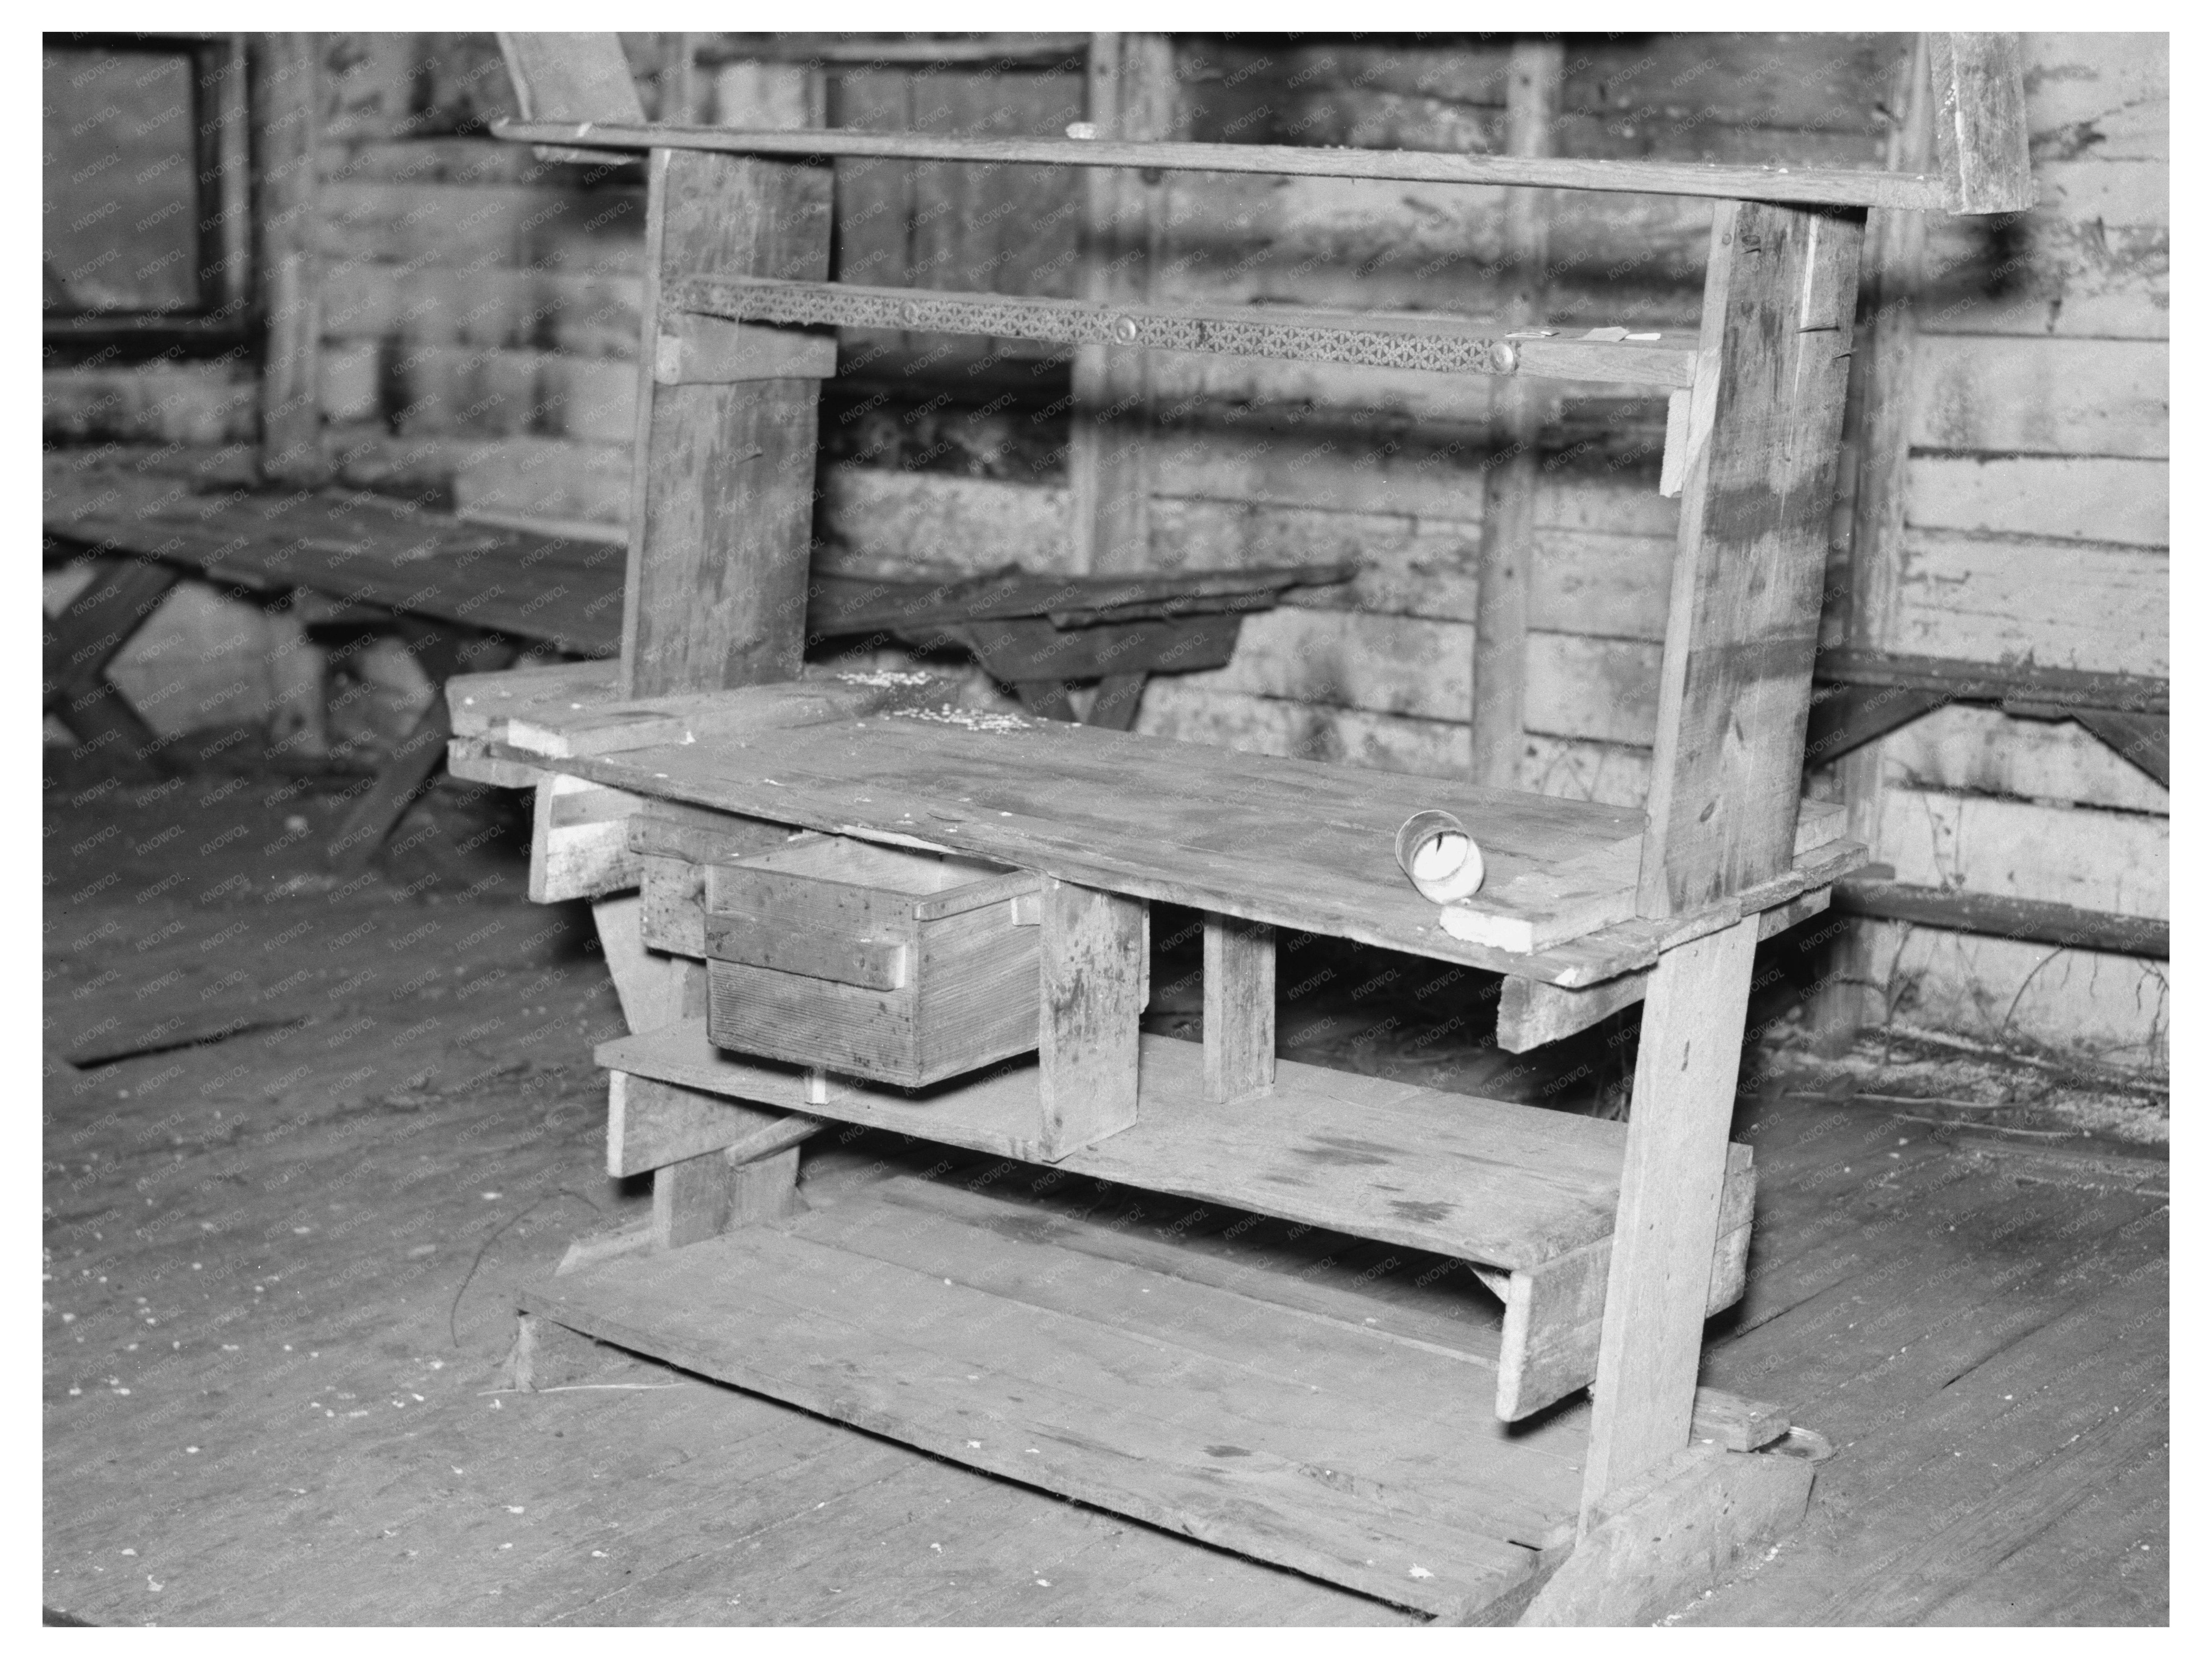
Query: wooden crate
x=872, y=961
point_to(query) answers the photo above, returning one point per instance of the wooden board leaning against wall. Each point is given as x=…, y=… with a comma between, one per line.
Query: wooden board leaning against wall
x=480, y=310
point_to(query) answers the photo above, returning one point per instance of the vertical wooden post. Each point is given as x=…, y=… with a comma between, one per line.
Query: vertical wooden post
x=1884, y=366
x=722, y=485
x=1744, y=611
x=1093, y=967
x=286, y=95
x=1670, y=1198
x=1130, y=94
x=1240, y=1008
x=1498, y=728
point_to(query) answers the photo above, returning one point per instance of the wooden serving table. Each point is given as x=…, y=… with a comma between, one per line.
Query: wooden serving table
x=804, y=883
x=639, y=801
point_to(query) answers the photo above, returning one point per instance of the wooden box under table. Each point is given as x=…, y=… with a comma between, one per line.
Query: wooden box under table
x=899, y=967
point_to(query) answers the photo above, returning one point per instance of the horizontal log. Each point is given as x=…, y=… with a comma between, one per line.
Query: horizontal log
x=1390, y=340
x=1814, y=186
x=1040, y=50
x=2021, y=920
x=1986, y=682
x=2114, y=1008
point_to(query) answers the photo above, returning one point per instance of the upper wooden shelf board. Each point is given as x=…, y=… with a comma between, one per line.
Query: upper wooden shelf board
x=1812, y=186
x=1296, y=844
x=1440, y=345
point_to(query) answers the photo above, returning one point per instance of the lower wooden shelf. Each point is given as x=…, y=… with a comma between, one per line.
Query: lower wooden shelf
x=1036, y=1349
x=1509, y=1186
x=1526, y=1191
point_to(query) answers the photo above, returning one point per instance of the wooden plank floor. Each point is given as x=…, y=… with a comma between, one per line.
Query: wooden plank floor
x=278, y=1303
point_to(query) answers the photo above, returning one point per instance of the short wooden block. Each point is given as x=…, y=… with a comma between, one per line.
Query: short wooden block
x=694, y=350
x=1654, y=1546
x=1240, y=1008
x=872, y=962
x=704, y=1197
x=651, y=1125
x=1094, y=969
x=1555, y=1312
x=1531, y=1013
x=579, y=845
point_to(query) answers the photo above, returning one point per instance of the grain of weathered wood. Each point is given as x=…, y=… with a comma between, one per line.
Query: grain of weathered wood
x=1291, y=844
x=1555, y=1312
x=571, y=77
x=1239, y=966
x=692, y=350
x=1534, y=73
x=723, y=480
x=1129, y=88
x=1513, y=1186
x=1737, y=674
x=579, y=842
x=1671, y=1186
x=1019, y=1361
x=869, y=961
x=651, y=1124
x=1667, y=1541
x=1093, y=959
x=704, y=1197
x=1981, y=123
x=641, y=977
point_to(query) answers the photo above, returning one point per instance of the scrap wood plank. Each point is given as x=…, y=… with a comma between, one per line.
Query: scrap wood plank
x=1843, y=187
x=1051, y=1395
x=1775, y=348
x=1531, y=1013
x=722, y=483
x=1485, y=1181
x=365, y=549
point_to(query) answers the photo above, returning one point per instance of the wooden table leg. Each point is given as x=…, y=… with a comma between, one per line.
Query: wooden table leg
x=404, y=775
x=84, y=639
x=1094, y=967
x=1046, y=699
x=1670, y=1210
x=1240, y=1008
x=1118, y=696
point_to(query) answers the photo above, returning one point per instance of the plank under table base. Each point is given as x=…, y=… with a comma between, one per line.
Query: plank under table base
x=1529, y=1192
x=1298, y=1435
